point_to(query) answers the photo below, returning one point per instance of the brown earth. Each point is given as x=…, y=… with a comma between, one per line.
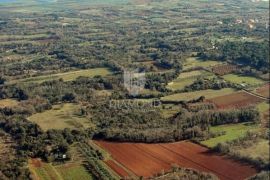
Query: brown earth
x=264, y=91
x=150, y=159
x=119, y=170
x=235, y=100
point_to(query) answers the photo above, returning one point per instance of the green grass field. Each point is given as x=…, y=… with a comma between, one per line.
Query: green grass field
x=247, y=80
x=186, y=79
x=61, y=117
x=46, y=171
x=196, y=94
x=263, y=107
x=73, y=171
x=232, y=131
x=67, y=76
x=193, y=62
x=8, y=103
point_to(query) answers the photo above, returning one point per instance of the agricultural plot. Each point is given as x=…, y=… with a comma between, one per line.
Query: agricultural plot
x=73, y=171
x=235, y=100
x=194, y=62
x=46, y=171
x=186, y=79
x=8, y=103
x=230, y=132
x=224, y=69
x=263, y=91
x=61, y=117
x=67, y=76
x=245, y=80
x=196, y=94
x=150, y=159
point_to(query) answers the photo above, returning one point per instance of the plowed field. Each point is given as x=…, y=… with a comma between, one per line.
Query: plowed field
x=235, y=100
x=149, y=159
x=264, y=91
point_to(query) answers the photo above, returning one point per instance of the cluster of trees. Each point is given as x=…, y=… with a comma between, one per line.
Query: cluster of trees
x=148, y=125
x=208, y=83
x=254, y=54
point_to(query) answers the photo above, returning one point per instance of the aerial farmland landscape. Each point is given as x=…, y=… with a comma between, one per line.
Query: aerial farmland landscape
x=134, y=89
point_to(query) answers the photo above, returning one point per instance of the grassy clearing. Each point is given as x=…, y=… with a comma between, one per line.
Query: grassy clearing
x=209, y=93
x=258, y=150
x=61, y=117
x=186, y=79
x=263, y=107
x=68, y=76
x=193, y=62
x=168, y=110
x=232, y=131
x=73, y=171
x=251, y=81
x=46, y=171
x=8, y=103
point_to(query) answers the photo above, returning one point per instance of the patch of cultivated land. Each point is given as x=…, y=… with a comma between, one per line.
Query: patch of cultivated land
x=263, y=91
x=186, y=79
x=46, y=171
x=73, y=171
x=67, y=76
x=230, y=132
x=8, y=103
x=193, y=62
x=247, y=80
x=150, y=159
x=235, y=100
x=209, y=93
x=60, y=117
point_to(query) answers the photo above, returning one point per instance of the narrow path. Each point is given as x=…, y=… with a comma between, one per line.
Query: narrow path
x=256, y=95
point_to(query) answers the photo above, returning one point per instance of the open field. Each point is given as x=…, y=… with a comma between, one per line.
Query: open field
x=67, y=76
x=41, y=170
x=193, y=62
x=186, y=79
x=149, y=159
x=223, y=69
x=247, y=80
x=46, y=171
x=8, y=103
x=73, y=171
x=258, y=149
x=232, y=131
x=235, y=100
x=196, y=94
x=263, y=91
x=61, y=117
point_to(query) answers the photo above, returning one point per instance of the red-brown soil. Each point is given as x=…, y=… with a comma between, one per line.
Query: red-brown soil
x=119, y=170
x=150, y=159
x=235, y=100
x=264, y=91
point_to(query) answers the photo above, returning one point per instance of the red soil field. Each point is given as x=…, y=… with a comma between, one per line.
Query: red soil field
x=235, y=100
x=264, y=91
x=119, y=170
x=150, y=159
